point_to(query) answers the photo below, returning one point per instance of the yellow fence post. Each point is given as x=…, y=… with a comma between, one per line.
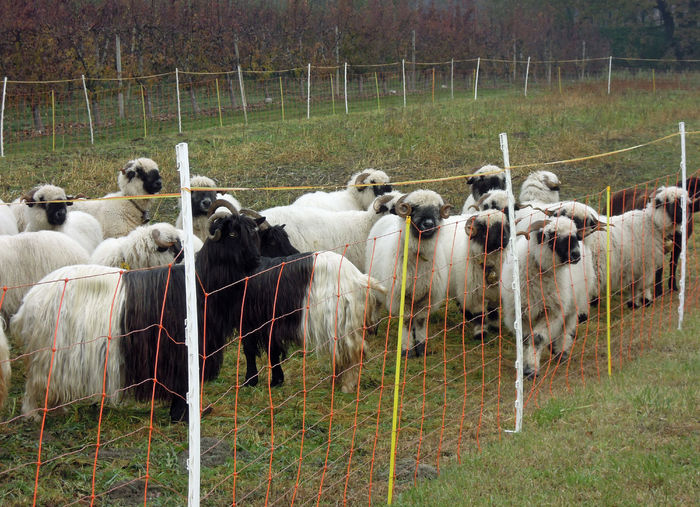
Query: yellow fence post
x=218, y=101
x=397, y=374
x=143, y=107
x=376, y=83
x=282, y=97
x=607, y=291
x=53, y=121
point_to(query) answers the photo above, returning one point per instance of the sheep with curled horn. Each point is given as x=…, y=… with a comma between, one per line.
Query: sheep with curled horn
x=47, y=210
x=362, y=188
x=484, y=179
x=345, y=232
x=384, y=251
x=550, y=270
x=135, y=321
x=274, y=240
x=474, y=249
x=118, y=217
x=540, y=187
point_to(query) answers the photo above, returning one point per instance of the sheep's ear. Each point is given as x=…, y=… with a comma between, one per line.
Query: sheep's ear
x=28, y=198
x=360, y=180
x=579, y=234
x=128, y=169
x=541, y=238
x=259, y=221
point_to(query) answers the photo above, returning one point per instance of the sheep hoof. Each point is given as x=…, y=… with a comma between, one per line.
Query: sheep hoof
x=528, y=373
x=561, y=357
x=582, y=317
x=419, y=349
x=276, y=381
x=178, y=410
x=646, y=302
x=251, y=381
x=595, y=301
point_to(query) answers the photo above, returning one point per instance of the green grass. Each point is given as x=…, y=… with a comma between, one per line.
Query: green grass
x=632, y=439
x=448, y=138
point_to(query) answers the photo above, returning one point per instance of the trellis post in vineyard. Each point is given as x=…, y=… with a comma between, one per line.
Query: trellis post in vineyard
x=191, y=329
x=527, y=74
x=87, y=103
x=240, y=82
x=403, y=77
x=2, y=118
x=308, y=92
x=684, y=229
x=476, y=76
x=517, y=325
x=177, y=93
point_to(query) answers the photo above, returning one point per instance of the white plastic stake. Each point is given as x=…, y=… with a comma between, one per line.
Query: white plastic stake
x=308, y=93
x=240, y=82
x=191, y=328
x=609, y=73
x=527, y=74
x=177, y=92
x=87, y=103
x=517, y=325
x=476, y=76
x=452, y=78
x=2, y=118
x=684, y=230
x=403, y=75
x=345, y=78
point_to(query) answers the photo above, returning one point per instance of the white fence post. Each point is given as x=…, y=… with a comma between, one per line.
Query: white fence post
x=308, y=93
x=87, y=103
x=177, y=92
x=452, y=78
x=191, y=329
x=2, y=118
x=476, y=76
x=245, y=107
x=403, y=75
x=517, y=325
x=609, y=73
x=345, y=78
x=684, y=230
x=527, y=74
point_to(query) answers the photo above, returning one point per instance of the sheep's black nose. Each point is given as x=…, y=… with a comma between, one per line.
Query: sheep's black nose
x=204, y=205
x=157, y=185
x=528, y=372
x=428, y=223
x=575, y=256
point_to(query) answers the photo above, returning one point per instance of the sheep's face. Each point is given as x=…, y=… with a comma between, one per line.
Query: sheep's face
x=558, y=243
x=140, y=176
x=540, y=186
x=386, y=203
x=668, y=204
x=237, y=240
x=584, y=217
x=274, y=242
x=38, y=199
x=378, y=180
x=426, y=209
x=488, y=232
x=166, y=238
x=201, y=201
x=482, y=184
x=494, y=200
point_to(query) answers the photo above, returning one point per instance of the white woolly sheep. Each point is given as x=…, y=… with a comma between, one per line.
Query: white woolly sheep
x=549, y=271
x=145, y=247
x=5, y=367
x=8, y=222
x=353, y=197
x=384, y=258
x=315, y=229
x=637, y=242
x=26, y=258
x=45, y=215
x=201, y=201
x=474, y=249
x=119, y=217
x=541, y=187
x=488, y=177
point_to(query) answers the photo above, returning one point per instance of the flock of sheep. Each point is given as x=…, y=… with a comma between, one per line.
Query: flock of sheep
x=95, y=296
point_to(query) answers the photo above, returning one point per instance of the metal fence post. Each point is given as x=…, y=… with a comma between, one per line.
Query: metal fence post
x=177, y=92
x=87, y=103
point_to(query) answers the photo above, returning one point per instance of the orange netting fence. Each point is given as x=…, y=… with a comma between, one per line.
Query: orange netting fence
x=337, y=411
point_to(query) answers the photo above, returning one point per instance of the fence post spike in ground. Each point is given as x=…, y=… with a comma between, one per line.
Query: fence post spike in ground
x=684, y=229
x=87, y=103
x=476, y=76
x=191, y=329
x=397, y=373
x=527, y=73
x=240, y=83
x=517, y=325
x=345, y=80
x=607, y=275
x=308, y=92
x=177, y=94
x=2, y=118
x=403, y=77
x=609, y=73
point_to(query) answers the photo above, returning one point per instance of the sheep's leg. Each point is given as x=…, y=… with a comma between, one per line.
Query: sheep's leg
x=275, y=355
x=178, y=409
x=531, y=354
x=675, y=255
x=251, y=372
x=419, y=334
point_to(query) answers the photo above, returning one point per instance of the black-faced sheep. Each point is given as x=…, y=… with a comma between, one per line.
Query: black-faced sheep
x=138, y=351
x=26, y=258
x=119, y=217
x=384, y=258
x=44, y=213
x=201, y=201
x=484, y=179
x=549, y=272
x=374, y=181
x=540, y=187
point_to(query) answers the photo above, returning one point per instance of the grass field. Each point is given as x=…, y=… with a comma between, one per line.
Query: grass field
x=346, y=438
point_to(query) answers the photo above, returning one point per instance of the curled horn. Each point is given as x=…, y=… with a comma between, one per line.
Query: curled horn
x=534, y=226
x=221, y=203
x=469, y=225
x=403, y=209
x=254, y=214
x=445, y=210
x=523, y=233
x=381, y=201
x=361, y=179
x=553, y=185
x=155, y=234
x=28, y=198
x=475, y=206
